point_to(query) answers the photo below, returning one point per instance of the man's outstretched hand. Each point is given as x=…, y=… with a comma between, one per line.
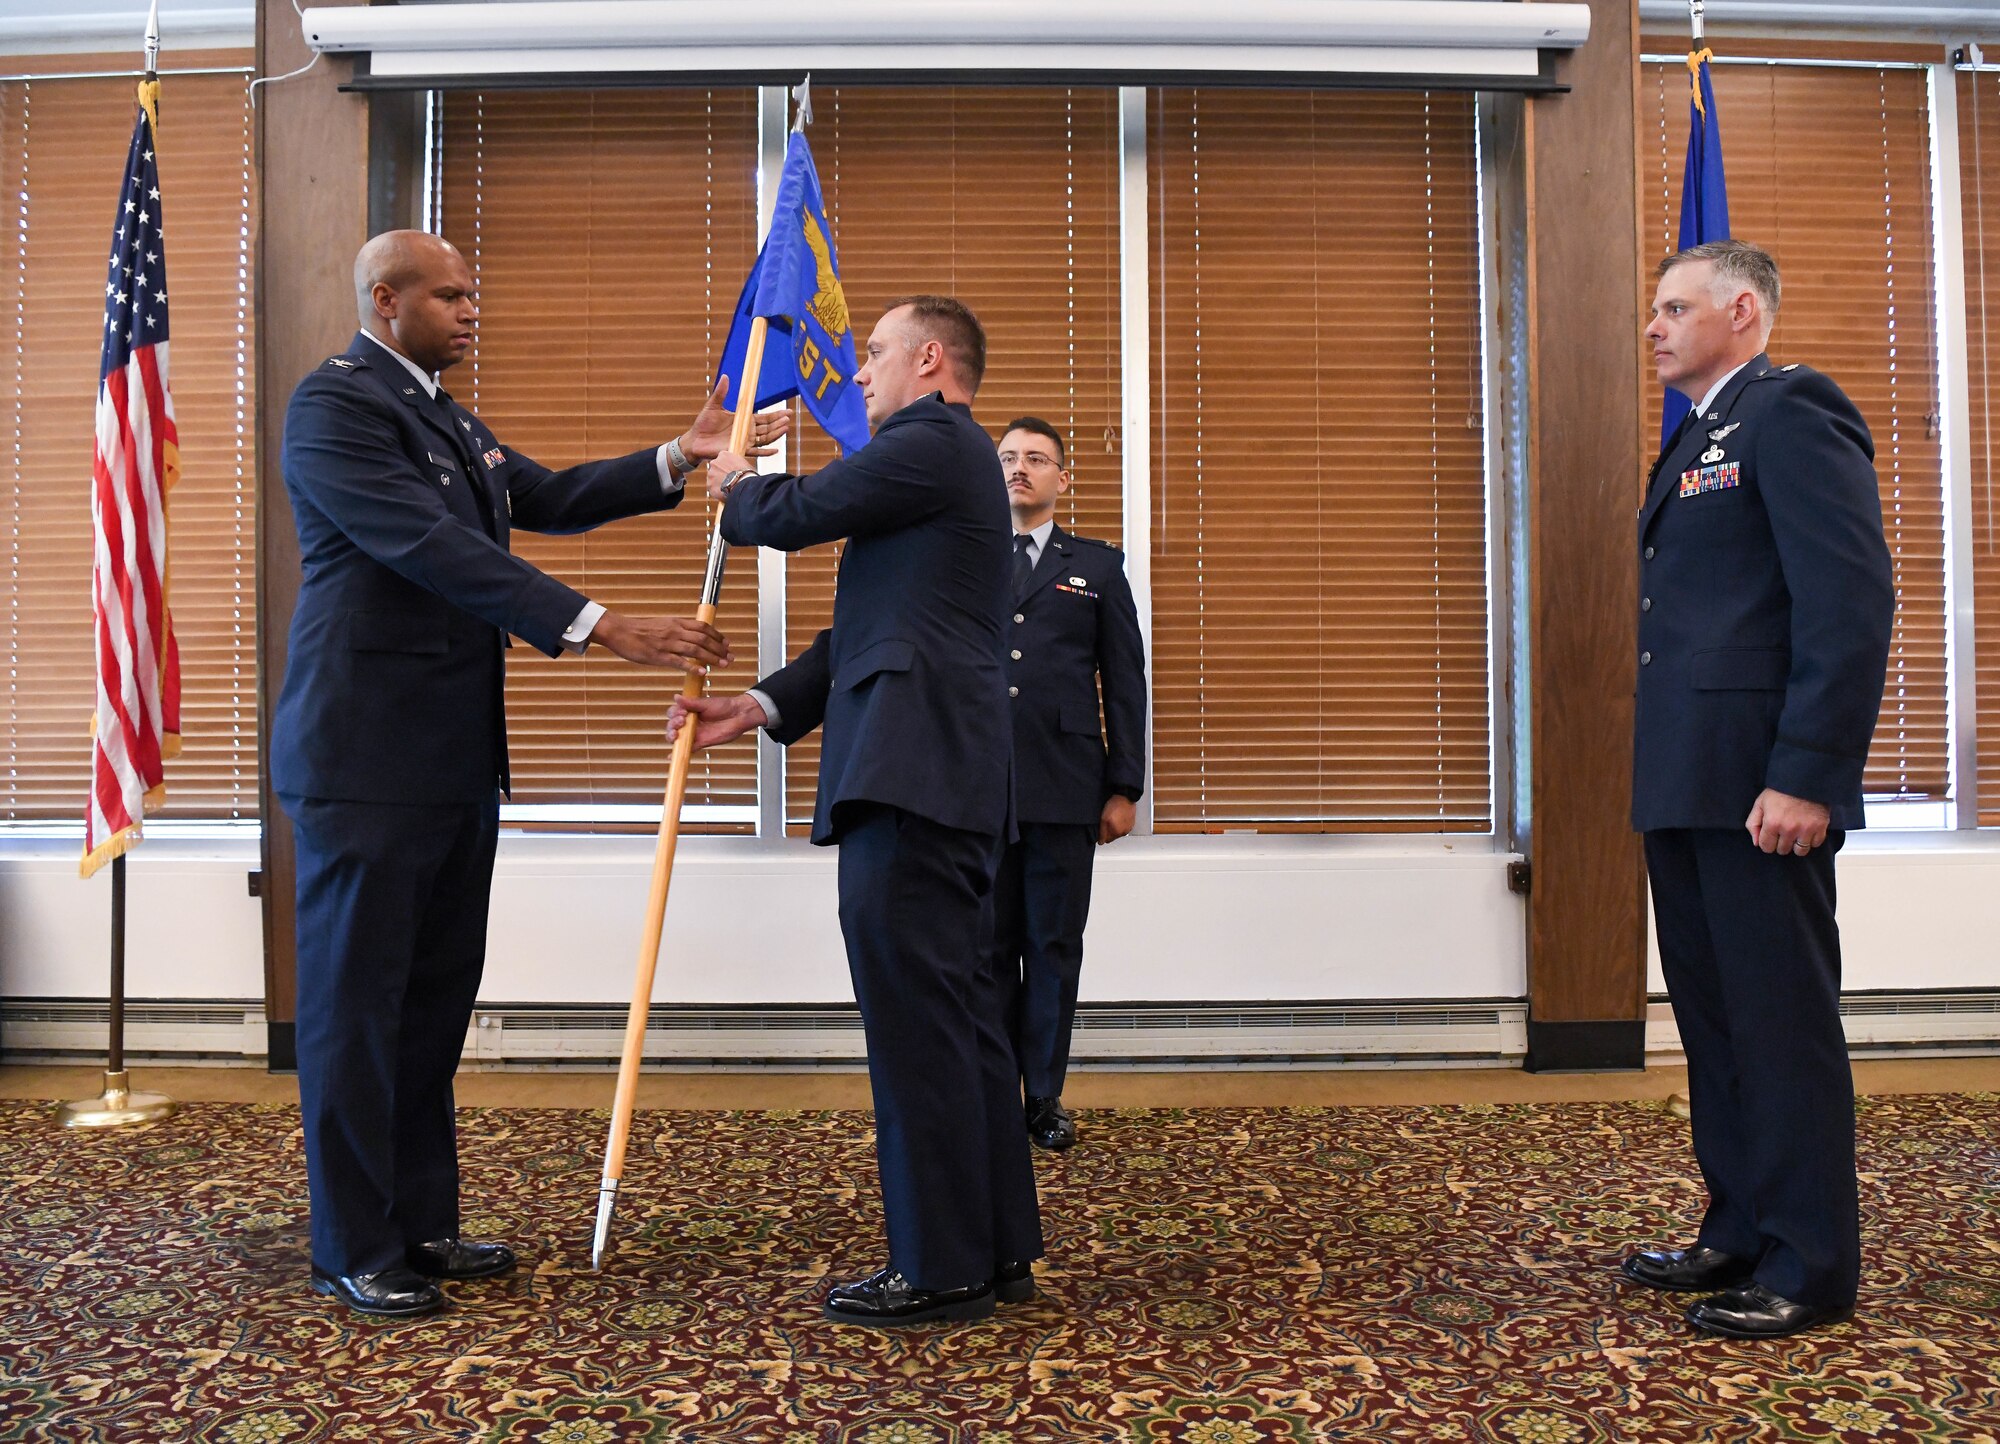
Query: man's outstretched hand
x=663, y=641
x=709, y=434
x=720, y=719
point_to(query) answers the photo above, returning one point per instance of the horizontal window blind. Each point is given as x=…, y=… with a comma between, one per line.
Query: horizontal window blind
x=1829, y=169
x=62, y=150
x=1007, y=199
x=1319, y=527
x=608, y=234
x=1979, y=173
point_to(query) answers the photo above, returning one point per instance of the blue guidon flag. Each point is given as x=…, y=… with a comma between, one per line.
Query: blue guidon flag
x=795, y=286
x=1704, y=197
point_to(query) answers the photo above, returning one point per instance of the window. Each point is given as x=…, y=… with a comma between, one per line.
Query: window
x=1979, y=172
x=1007, y=199
x=1320, y=655
x=609, y=233
x=1829, y=167
x=1319, y=500
x=64, y=149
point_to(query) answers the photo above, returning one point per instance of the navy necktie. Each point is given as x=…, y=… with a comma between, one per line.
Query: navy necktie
x=1023, y=568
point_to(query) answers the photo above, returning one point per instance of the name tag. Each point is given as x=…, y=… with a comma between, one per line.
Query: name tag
x=437, y=460
x=1711, y=478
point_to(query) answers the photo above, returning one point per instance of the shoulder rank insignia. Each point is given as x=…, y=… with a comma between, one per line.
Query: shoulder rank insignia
x=1722, y=431
x=1793, y=367
x=342, y=362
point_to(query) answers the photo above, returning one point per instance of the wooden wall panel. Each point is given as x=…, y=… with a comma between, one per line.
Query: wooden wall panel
x=312, y=156
x=1586, y=927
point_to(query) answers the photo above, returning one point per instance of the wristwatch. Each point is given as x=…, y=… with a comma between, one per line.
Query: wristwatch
x=730, y=481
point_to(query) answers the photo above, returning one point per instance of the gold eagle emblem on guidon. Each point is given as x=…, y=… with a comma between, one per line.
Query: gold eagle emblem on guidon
x=829, y=303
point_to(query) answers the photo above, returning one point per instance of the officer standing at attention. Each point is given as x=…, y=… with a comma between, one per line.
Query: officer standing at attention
x=389, y=745
x=913, y=786
x=1765, y=612
x=1074, y=629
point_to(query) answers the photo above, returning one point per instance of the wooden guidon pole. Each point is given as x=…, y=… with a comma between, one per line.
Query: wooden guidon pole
x=670, y=831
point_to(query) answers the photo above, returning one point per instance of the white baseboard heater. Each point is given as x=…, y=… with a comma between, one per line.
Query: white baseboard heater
x=1448, y=1032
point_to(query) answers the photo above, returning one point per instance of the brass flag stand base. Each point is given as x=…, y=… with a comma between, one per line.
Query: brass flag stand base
x=118, y=1106
x=1677, y=1104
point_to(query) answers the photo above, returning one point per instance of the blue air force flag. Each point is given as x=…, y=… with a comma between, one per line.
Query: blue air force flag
x=795, y=285
x=1704, y=197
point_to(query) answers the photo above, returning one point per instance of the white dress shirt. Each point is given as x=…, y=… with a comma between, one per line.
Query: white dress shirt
x=577, y=636
x=1701, y=411
x=1038, y=540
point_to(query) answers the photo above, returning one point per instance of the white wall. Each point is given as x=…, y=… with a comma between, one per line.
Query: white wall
x=1175, y=919
x=1918, y=911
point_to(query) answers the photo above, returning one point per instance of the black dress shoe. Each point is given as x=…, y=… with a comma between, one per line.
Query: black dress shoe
x=457, y=1258
x=887, y=1300
x=1754, y=1312
x=1014, y=1283
x=391, y=1293
x=1050, y=1125
x=1692, y=1270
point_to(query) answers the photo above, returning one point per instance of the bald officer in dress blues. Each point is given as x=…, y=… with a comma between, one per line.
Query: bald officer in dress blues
x=389, y=748
x=1766, y=602
x=1074, y=631
x=914, y=788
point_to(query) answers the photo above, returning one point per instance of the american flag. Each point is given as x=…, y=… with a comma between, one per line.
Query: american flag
x=137, y=722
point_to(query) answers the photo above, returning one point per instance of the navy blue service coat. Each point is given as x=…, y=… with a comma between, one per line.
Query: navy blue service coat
x=393, y=678
x=909, y=680
x=1766, y=603
x=1074, y=630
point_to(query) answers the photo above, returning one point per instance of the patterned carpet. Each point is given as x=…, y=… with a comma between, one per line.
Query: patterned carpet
x=1216, y=1277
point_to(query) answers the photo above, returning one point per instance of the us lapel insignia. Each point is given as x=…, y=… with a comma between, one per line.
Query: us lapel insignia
x=409, y=391
x=1722, y=432
x=1711, y=456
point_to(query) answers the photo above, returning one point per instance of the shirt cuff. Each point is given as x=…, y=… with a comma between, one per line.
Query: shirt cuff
x=770, y=708
x=578, y=635
x=669, y=483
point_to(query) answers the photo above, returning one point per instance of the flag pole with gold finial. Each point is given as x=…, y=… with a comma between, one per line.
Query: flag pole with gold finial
x=119, y=1104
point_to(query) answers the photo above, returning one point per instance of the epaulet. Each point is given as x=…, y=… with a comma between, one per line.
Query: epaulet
x=1093, y=541
x=343, y=362
x=1780, y=373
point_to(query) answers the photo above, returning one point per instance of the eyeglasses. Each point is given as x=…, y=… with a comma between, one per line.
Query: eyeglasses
x=1041, y=461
